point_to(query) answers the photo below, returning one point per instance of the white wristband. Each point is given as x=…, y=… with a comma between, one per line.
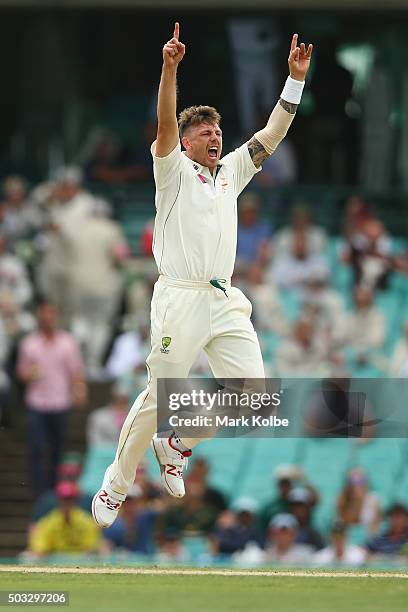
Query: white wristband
x=292, y=92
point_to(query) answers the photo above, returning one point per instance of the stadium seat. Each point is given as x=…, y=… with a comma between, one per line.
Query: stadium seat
x=96, y=461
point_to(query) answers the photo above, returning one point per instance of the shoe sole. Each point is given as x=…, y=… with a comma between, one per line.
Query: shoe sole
x=163, y=470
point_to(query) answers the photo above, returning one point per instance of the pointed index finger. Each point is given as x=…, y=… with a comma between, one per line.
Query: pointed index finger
x=294, y=42
x=176, y=30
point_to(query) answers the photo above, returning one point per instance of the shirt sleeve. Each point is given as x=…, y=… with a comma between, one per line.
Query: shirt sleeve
x=74, y=359
x=165, y=169
x=242, y=166
x=24, y=360
x=41, y=536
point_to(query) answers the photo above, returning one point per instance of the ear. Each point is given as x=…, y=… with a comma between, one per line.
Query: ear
x=185, y=142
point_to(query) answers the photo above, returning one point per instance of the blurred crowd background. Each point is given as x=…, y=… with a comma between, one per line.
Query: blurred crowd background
x=322, y=254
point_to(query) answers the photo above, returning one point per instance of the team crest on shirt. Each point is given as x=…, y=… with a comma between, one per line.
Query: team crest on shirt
x=166, y=341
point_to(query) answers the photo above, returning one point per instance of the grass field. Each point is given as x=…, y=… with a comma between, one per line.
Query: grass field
x=212, y=592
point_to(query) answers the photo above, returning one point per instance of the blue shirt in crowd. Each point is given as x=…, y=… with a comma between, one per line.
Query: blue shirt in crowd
x=138, y=537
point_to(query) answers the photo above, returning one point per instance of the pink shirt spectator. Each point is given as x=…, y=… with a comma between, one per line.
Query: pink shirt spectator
x=58, y=361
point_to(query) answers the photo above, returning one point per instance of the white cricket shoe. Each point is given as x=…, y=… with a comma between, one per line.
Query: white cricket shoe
x=172, y=462
x=106, y=504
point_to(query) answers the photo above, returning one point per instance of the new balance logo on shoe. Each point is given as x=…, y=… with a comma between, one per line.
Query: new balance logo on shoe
x=110, y=504
x=173, y=471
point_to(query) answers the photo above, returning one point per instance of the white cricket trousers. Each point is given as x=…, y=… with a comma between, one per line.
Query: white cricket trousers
x=196, y=316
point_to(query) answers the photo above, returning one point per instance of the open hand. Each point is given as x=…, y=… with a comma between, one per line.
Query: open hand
x=173, y=50
x=299, y=59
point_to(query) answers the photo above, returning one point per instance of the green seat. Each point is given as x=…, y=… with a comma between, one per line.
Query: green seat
x=97, y=460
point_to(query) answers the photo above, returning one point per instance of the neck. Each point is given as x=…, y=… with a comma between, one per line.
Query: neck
x=48, y=333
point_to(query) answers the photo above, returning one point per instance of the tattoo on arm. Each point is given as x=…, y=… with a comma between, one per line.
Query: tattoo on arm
x=257, y=152
x=288, y=106
x=256, y=149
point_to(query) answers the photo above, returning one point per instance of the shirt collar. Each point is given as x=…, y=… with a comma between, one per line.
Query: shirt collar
x=202, y=170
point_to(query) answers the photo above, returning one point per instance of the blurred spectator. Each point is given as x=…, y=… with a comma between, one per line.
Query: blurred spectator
x=253, y=42
x=281, y=547
x=301, y=503
x=126, y=354
x=357, y=213
x=287, y=477
x=369, y=253
x=237, y=527
x=50, y=365
x=4, y=380
x=138, y=296
x=68, y=470
x=340, y=552
x=100, y=155
x=171, y=548
x=296, y=268
x=357, y=505
x=364, y=328
x=268, y=313
x=193, y=516
x=199, y=472
x=107, y=160
x=300, y=223
x=67, y=529
x=391, y=541
x=253, y=233
x=277, y=169
x=104, y=424
x=279, y=504
x=94, y=248
x=133, y=530
x=67, y=205
x=304, y=353
x=142, y=158
x=17, y=321
x=68, y=201
x=324, y=302
x=20, y=219
x=13, y=276
x=150, y=490
x=146, y=239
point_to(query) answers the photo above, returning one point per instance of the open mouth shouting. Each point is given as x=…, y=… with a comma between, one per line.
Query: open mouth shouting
x=213, y=153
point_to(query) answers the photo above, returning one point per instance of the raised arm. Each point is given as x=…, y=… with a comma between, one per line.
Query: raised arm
x=167, y=129
x=265, y=141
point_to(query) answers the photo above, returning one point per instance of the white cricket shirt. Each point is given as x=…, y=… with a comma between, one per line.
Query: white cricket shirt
x=195, y=234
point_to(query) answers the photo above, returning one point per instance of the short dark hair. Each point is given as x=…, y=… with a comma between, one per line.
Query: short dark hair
x=42, y=301
x=194, y=115
x=397, y=508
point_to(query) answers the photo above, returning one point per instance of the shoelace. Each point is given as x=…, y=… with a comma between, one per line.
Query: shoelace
x=112, y=505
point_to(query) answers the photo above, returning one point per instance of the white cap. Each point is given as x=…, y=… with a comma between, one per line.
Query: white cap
x=284, y=520
x=69, y=174
x=245, y=504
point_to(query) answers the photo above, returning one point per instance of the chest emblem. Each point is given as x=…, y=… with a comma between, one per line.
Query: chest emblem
x=166, y=341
